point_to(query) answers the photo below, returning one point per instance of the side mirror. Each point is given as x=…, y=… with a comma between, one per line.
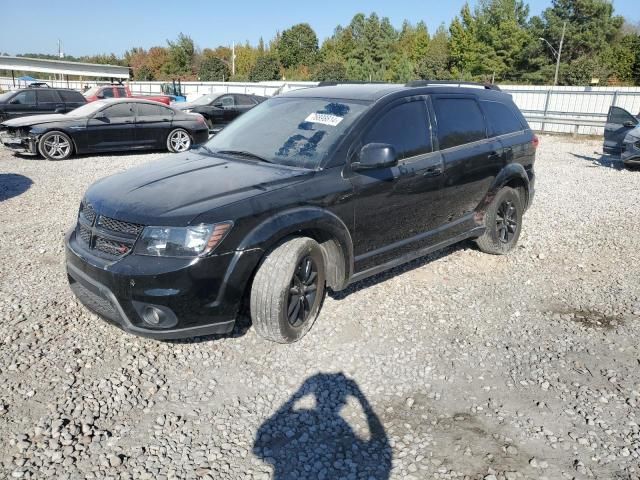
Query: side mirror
x=59, y=110
x=376, y=155
x=100, y=95
x=218, y=105
x=630, y=124
x=101, y=117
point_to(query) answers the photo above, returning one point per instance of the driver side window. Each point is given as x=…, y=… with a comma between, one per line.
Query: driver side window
x=118, y=111
x=107, y=93
x=24, y=98
x=227, y=101
x=404, y=126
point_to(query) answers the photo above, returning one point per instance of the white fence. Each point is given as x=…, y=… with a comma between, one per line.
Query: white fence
x=577, y=110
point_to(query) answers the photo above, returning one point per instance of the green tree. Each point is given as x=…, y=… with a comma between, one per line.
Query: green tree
x=214, y=69
x=181, y=54
x=435, y=65
x=330, y=71
x=266, y=68
x=297, y=46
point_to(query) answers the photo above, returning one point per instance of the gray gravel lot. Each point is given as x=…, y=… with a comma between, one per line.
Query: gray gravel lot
x=460, y=365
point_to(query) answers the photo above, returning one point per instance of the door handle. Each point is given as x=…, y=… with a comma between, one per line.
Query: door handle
x=432, y=171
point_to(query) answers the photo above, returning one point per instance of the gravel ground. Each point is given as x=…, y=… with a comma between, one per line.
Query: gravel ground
x=460, y=365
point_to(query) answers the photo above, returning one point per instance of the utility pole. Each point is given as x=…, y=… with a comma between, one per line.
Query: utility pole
x=557, y=53
x=564, y=29
x=233, y=58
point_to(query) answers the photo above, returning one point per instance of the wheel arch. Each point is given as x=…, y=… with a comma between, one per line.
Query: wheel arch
x=512, y=175
x=322, y=226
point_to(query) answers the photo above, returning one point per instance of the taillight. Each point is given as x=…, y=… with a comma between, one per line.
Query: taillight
x=535, y=141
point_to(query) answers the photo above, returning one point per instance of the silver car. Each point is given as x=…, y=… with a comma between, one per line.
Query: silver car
x=622, y=136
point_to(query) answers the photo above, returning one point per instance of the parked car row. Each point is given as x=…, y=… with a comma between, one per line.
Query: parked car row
x=37, y=101
x=105, y=126
x=102, y=92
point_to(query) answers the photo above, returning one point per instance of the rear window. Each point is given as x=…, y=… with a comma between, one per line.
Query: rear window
x=71, y=96
x=460, y=121
x=405, y=127
x=48, y=96
x=501, y=118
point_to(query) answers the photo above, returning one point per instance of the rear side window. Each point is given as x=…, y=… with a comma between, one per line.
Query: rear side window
x=48, y=96
x=501, y=118
x=71, y=96
x=119, y=110
x=405, y=127
x=460, y=121
x=244, y=100
x=147, y=110
x=122, y=93
x=27, y=97
x=620, y=116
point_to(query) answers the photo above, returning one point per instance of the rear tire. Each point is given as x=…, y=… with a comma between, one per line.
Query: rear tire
x=503, y=222
x=178, y=140
x=288, y=290
x=55, y=146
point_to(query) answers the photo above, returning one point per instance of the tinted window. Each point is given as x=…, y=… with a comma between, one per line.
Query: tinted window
x=71, y=96
x=501, y=118
x=405, y=127
x=107, y=93
x=47, y=96
x=459, y=120
x=244, y=100
x=146, y=110
x=119, y=110
x=24, y=98
x=122, y=92
x=620, y=116
x=227, y=101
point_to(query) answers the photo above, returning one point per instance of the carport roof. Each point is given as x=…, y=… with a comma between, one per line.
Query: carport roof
x=61, y=67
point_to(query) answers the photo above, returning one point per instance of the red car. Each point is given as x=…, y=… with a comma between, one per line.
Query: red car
x=101, y=92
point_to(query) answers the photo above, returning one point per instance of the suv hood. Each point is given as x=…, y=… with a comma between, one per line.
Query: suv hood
x=34, y=120
x=175, y=190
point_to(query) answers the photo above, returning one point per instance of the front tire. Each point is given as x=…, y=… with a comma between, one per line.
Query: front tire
x=503, y=223
x=55, y=146
x=178, y=140
x=288, y=290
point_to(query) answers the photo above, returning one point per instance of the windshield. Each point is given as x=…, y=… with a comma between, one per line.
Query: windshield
x=86, y=110
x=91, y=92
x=5, y=96
x=205, y=99
x=299, y=132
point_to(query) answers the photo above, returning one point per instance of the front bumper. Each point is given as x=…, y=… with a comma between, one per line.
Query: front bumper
x=631, y=153
x=200, y=296
x=19, y=143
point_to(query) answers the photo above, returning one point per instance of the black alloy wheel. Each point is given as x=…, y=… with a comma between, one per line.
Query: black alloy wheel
x=303, y=291
x=506, y=221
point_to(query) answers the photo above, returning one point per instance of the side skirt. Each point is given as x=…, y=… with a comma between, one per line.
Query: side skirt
x=476, y=232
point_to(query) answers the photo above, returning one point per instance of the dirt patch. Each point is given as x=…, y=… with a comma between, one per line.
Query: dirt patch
x=592, y=318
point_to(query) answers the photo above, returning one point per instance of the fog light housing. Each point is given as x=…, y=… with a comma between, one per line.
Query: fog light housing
x=155, y=316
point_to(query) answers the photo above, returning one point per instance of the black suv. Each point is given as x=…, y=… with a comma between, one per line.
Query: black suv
x=314, y=189
x=34, y=101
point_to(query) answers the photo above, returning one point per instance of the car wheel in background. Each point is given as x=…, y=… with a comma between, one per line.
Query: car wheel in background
x=178, y=140
x=288, y=290
x=503, y=222
x=55, y=146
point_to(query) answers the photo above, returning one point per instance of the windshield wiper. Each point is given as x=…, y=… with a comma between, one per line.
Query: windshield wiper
x=242, y=153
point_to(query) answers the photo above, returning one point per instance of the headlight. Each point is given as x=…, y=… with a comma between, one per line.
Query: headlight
x=198, y=240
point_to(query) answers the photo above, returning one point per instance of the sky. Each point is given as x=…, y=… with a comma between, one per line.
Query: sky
x=114, y=26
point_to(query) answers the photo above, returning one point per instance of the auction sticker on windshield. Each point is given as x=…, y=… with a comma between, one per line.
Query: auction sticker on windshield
x=324, y=119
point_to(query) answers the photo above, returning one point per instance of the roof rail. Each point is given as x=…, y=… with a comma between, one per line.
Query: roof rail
x=333, y=83
x=426, y=83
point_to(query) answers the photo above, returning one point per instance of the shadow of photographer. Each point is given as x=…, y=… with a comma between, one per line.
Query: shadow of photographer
x=308, y=437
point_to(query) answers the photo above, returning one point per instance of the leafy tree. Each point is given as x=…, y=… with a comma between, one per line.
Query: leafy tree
x=214, y=69
x=266, y=68
x=298, y=46
x=330, y=71
x=180, y=60
x=582, y=70
x=435, y=63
